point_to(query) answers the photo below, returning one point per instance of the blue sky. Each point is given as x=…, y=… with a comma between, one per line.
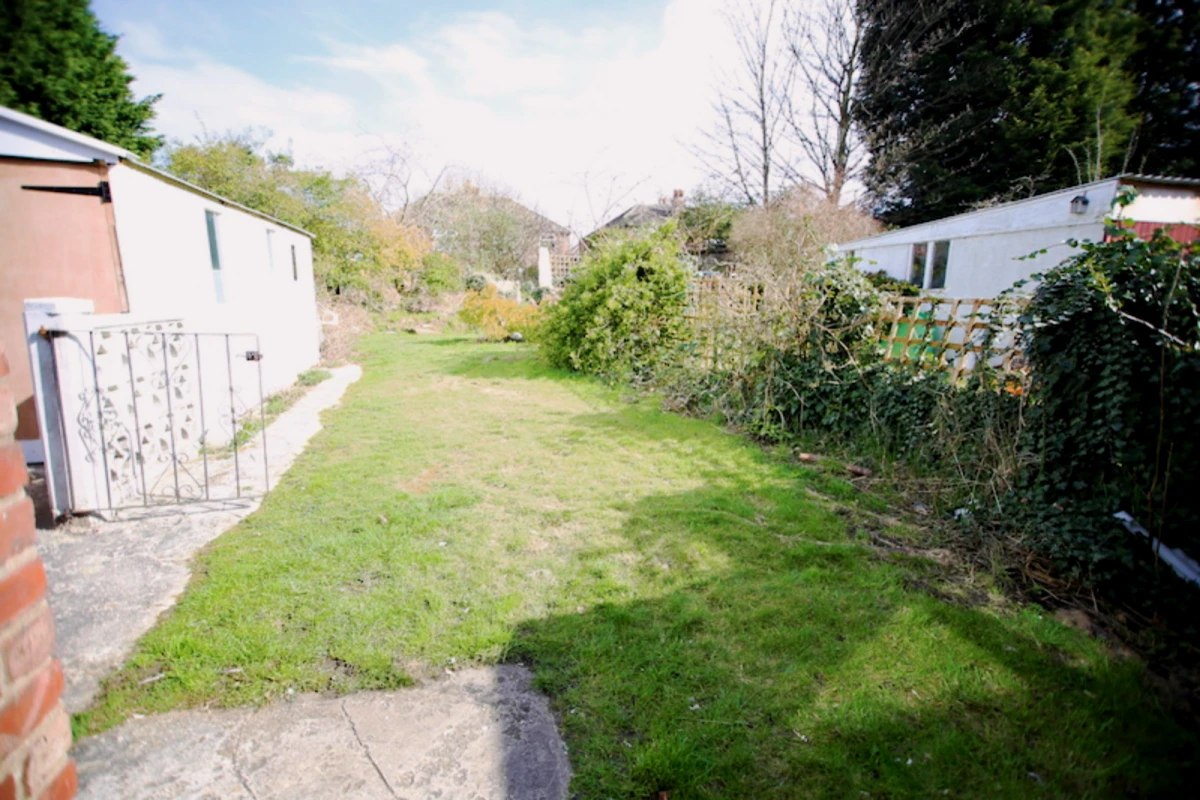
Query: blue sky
x=573, y=106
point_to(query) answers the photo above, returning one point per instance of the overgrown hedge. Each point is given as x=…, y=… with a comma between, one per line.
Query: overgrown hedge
x=1112, y=338
x=814, y=369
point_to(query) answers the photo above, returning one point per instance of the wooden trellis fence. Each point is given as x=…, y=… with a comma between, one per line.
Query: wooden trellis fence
x=950, y=332
x=561, y=265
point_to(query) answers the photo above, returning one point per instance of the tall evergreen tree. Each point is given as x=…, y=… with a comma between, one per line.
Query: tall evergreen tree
x=1167, y=69
x=964, y=102
x=57, y=64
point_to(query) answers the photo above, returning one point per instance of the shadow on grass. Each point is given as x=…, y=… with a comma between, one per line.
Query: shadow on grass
x=784, y=661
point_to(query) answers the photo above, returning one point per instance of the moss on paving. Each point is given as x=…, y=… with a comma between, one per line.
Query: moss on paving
x=702, y=618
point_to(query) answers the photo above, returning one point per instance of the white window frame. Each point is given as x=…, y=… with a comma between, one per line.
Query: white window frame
x=930, y=255
x=212, y=232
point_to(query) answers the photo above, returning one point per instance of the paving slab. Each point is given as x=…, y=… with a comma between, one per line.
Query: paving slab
x=476, y=734
x=111, y=579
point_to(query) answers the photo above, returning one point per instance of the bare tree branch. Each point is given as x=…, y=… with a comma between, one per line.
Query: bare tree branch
x=605, y=194
x=825, y=42
x=742, y=150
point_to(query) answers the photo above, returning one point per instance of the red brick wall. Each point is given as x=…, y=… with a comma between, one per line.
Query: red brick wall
x=35, y=731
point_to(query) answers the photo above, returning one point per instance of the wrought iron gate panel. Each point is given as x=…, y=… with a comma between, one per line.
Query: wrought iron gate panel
x=157, y=414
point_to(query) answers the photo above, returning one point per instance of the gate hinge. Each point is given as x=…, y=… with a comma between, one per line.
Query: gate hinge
x=100, y=190
x=254, y=355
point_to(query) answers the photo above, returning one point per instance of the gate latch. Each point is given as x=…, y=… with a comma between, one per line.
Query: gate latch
x=253, y=355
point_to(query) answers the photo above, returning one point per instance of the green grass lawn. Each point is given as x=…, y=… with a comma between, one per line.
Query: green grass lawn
x=708, y=619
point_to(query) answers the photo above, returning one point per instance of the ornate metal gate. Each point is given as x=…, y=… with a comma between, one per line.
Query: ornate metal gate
x=152, y=414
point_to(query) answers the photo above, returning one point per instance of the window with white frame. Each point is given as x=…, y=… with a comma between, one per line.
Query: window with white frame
x=916, y=272
x=930, y=264
x=214, y=254
x=940, y=265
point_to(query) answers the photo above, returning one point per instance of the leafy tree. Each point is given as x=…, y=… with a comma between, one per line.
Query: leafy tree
x=965, y=102
x=358, y=244
x=439, y=274
x=57, y=64
x=705, y=224
x=484, y=231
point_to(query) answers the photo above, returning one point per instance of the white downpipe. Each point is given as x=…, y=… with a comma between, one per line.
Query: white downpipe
x=1183, y=565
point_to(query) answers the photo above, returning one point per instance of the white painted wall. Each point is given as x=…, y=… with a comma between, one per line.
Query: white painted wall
x=988, y=248
x=1176, y=204
x=163, y=237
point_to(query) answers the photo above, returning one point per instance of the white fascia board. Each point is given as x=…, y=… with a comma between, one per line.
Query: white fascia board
x=926, y=230
x=53, y=142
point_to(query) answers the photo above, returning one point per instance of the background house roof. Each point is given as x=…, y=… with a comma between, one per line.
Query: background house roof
x=644, y=214
x=548, y=225
x=426, y=208
x=639, y=215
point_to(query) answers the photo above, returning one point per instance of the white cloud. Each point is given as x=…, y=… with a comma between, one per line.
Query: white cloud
x=489, y=54
x=533, y=107
x=382, y=63
x=217, y=97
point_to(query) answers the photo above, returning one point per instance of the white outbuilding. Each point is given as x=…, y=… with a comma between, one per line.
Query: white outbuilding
x=157, y=316
x=981, y=253
x=89, y=224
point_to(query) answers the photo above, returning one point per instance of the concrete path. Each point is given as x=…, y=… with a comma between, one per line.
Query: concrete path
x=479, y=734
x=110, y=580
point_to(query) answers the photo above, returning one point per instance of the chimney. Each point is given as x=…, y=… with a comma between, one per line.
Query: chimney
x=677, y=198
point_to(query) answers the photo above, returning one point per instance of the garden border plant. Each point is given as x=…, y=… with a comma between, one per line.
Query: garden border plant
x=498, y=318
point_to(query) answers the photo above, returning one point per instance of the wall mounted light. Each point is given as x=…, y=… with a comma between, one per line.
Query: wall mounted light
x=1079, y=204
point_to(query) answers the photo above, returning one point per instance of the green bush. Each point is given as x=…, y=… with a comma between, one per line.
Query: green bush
x=439, y=274
x=624, y=311
x=476, y=282
x=1103, y=421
